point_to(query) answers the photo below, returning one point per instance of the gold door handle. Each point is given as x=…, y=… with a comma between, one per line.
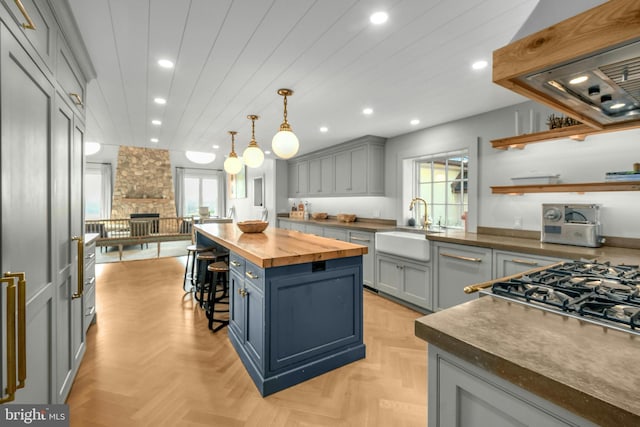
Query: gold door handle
x=525, y=262
x=242, y=292
x=80, y=267
x=250, y=275
x=22, y=326
x=460, y=257
x=235, y=263
x=29, y=25
x=76, y=99
x=11, y=339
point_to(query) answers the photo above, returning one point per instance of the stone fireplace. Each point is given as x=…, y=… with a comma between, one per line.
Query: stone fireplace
x=143, y=183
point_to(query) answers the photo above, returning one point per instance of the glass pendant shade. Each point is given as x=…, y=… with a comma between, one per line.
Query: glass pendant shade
x=253, y=155
x=232, y=165
x=285, y=144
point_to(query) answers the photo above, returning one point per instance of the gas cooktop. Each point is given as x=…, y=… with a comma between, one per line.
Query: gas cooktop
x=596, y=292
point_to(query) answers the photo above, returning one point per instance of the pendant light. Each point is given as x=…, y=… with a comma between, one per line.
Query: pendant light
x=233, y=164
x=253, y=155
x=285, y=143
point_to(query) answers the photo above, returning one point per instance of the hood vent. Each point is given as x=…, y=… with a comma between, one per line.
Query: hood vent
x=587, y=66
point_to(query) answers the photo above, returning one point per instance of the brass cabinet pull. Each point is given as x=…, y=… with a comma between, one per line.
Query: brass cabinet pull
x=76, y=99
x=360, y=240
x=29, y=25
x=460, y=257
x=80, y=267
x=524, y=261
x=250, y=275
x=235, y=263
x=242, y=292
x=22, y=326
x=11, y=339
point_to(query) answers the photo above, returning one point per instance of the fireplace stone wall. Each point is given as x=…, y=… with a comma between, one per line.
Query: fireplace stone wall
x=143, y=184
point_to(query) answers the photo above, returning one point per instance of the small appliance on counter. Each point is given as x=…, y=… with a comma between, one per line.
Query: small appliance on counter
x=571, y=224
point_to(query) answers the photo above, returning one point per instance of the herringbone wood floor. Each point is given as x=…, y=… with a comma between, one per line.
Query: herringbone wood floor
x=151, y=361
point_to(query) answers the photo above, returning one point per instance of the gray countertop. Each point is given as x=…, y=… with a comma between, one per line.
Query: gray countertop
x=587, y=369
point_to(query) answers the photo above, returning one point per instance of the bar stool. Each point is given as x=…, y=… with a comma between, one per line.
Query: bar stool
x=192, y=253
x=206, y=258
x=218, y=293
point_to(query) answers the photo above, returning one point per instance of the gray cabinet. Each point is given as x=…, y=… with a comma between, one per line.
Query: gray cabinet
x=298, y=178
x=318, y=230
x=404, y=279
x=298, y=226
x=461, y=394
x=89, y=297
x=354, y=168
x=336, y=233
x=284, y=224
x=509, y=263
x=368, y=260
x=457, y=266
x=321, y=176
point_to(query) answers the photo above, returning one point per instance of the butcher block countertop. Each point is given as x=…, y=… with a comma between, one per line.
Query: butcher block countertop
x=588, y=369
x=276, y=247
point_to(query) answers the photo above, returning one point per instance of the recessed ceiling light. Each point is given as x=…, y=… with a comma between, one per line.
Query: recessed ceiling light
x=578, y=80
x=379, y=18
x=91, y=147
x=154, y=140
x=165, y=63
x=156, y=122
x=200, y=157
x=216, y=146
x=617, y=105
x=160, y=101
x=324, y=129
x=479, y=65
x=415, y=122
x=367, y=111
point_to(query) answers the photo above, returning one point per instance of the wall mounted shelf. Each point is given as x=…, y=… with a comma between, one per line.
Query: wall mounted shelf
x=568, y=188
x=145, y=199
x=577, y=133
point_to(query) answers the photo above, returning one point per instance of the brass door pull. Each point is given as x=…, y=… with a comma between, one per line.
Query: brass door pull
x=235, y=263
x=29, y=25
x=250, y=275
x=461, y=258
x=76, y=99
x=13, y=385
x=524, y=261
x=80, y=291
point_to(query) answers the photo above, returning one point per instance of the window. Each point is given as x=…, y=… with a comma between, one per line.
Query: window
x=97, y=191
x=442, y=181
x=201, y=188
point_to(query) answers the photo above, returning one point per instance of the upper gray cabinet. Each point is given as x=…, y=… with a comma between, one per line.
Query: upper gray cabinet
x=354, y=168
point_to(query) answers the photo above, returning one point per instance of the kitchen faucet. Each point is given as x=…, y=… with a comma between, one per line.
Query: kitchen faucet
x=425, y=223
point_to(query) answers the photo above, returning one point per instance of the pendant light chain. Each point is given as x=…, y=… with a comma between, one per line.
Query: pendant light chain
x=285, y=110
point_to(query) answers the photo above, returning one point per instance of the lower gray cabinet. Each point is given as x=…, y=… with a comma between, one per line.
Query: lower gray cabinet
x=404, y=279
x=336, y=233
x=368, y=260
x=318, y=230
x=463, y=395
x=510, y=263
x=286, y=225
x=457, y=266
x=298, y=226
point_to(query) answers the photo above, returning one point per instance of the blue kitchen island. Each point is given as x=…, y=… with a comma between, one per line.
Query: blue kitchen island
x=295, y=302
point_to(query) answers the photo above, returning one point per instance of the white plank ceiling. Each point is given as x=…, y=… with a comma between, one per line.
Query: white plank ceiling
x=231, y=56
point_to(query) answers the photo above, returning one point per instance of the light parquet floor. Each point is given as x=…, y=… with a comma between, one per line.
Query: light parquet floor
x=151, y=361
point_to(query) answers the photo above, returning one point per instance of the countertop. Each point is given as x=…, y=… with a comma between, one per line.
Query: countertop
x=362, y=225
x=613, y=254
x=587, y=369
x=276, y=247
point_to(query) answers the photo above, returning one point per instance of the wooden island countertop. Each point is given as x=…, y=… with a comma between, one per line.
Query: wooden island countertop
x=276, y=247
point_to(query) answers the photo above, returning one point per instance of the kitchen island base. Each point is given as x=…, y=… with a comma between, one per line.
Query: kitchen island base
x=461, y=394
x=290, y=323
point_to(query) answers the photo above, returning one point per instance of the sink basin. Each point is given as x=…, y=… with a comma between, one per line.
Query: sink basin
x=404, y=244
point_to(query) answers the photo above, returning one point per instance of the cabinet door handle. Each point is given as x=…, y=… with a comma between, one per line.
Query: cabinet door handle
x=76, y=99
x=460, y=257
x=91, y=281
x=250, y=275
x=80, y=267
x=29, y=25
x=525, y=262
x=90, y=256
x=242, y=292
x=235, y=263
x=357, y=239
x=90, y=311
x=12, y=385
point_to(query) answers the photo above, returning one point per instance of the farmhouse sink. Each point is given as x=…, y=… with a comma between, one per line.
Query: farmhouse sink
x=404, y=244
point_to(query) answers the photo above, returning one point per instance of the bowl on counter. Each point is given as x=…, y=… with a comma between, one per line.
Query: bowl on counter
x=346, y=217
x=319, y=215
x=252, y=226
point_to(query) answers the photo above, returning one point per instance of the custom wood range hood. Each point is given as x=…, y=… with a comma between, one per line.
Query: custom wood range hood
x=586, y=66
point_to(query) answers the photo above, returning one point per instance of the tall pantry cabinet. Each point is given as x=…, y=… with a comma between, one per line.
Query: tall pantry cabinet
x=41, y=160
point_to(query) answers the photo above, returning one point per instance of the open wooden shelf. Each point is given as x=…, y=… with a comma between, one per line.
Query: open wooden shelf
x=145, y=199
x=568, y=188
x=577, y=132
